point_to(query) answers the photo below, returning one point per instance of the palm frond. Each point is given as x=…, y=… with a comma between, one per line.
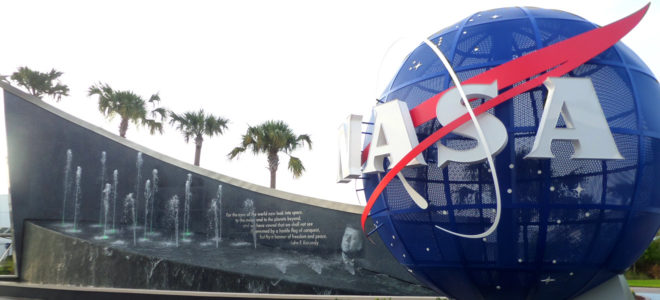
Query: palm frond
x=159, y=112
x=128, y=105
x=155, y=98
x=153, y=126
x=192, y=124
x=304, y=138
x=39, y=84
x=272, y=137
x=295, y=166
x=235, y=152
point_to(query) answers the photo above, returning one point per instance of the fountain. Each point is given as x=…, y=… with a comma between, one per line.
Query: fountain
x=106, y=205
x=147, y=198
x=215, y=213
x=129, y=212
x=76, y=201
x=115, y=182
x=248, y=207
x=102, y=180
x=186, y=211
x=138, y=166
x=154, y=191
x=218, y=217
x=173, y=214
x=67, y=182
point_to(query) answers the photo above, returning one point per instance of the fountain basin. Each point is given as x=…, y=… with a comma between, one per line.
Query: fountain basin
x=81, y=260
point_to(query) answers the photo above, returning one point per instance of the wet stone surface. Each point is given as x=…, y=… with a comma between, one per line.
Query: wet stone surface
x=88, y=258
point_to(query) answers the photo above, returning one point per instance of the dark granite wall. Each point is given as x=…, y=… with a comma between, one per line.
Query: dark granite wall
x=38, y=140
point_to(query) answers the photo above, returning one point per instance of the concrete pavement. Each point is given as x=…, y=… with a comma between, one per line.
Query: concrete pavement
x=648, y=293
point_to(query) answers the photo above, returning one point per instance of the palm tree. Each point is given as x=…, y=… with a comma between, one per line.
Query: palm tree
x=39, y=84
x=197, y=124
x=130, y=107
x=272, y=137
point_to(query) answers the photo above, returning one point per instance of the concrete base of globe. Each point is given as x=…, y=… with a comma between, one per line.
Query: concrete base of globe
x=614, y=289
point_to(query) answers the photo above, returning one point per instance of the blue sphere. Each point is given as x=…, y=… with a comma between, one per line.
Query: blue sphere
x=566, y=225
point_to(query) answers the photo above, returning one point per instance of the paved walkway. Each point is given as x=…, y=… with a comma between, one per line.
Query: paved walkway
x=648, y=293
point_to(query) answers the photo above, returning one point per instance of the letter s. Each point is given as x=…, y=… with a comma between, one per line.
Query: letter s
x=450, y=107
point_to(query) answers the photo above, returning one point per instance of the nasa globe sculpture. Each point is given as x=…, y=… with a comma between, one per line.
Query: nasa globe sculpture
x=569, y=115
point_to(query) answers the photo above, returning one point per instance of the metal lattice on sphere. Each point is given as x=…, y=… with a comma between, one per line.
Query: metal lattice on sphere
x=566, y=224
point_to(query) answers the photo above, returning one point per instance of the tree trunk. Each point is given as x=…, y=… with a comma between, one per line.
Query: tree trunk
x=273, y=162
x=123, y=127
x=198, y=148
x=35, y=93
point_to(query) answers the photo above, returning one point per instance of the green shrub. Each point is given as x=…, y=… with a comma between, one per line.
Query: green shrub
x=649, y=263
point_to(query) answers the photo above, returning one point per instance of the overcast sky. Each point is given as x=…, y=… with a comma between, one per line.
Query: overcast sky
x=309, y=63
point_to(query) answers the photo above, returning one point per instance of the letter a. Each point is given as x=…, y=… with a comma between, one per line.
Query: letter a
x=394, y=136
x=586, y=127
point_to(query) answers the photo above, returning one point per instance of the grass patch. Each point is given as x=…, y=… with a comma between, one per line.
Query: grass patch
x=7, y=266
x=653, y=283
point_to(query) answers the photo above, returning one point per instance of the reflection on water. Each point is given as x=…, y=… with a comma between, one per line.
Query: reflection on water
x=231, y=255
x=263, y=268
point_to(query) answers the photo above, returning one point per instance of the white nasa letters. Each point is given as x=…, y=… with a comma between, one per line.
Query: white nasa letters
x=393, y=137
x=450, y=107
x=586, y=127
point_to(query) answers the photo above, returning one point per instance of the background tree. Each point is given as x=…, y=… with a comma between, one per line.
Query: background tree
x=647, y=266
x=197, y=124
x=270, y=138
x=39, y=84
x=130, y=107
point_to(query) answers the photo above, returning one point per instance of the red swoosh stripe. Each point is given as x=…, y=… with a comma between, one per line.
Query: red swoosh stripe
x=559, y=59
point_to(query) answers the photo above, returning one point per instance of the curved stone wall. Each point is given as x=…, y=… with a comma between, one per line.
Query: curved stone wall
x=47, y=146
